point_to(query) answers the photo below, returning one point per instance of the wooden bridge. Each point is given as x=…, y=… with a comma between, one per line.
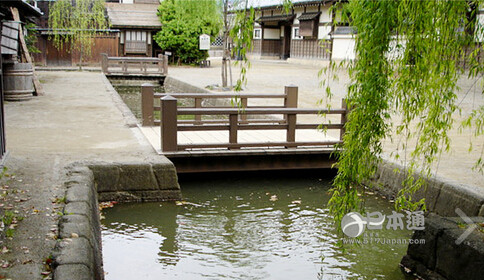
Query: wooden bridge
x=205, y=134
x=135, y=67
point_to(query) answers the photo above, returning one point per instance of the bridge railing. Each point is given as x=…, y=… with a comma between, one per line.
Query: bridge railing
x=135, y=65
x=170, y=126
x=148, y=107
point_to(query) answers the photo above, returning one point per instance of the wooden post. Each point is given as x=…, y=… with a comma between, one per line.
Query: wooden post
x=168, y=124
x=165, y=65
x=344, y=119
x=290, y=101
x=198, y=104
x=291, y=129
x=147, y=100
x=104, y=63
x=233, y=123
x=160, y=63
x=243, y=116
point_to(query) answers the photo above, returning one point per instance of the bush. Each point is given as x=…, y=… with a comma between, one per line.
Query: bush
x=183, y=21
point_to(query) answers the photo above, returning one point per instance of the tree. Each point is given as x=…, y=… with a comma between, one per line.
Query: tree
x=74, y=23
x=408, y=60
x=183, y=21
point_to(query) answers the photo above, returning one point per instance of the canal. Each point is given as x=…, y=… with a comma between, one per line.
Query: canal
x=245, y=226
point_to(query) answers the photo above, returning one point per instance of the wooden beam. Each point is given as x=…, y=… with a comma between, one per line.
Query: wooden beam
x=25, y=52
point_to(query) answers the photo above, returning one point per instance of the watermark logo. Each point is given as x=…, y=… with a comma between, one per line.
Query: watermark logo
x=469, y=230
x=354, y=224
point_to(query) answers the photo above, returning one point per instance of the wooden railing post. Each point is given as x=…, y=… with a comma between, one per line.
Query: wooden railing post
x=169, y=142
x=198, y=104
x=244, y=103
x=147, y=100
x=290, y=101
x=233, y=127
x=104, y=62
x=165, y=65
x=160, y=63
x=291, y=129
x=344, y=119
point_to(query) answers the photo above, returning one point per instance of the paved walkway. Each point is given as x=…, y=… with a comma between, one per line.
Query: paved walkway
x=272, y=76
x=77, y=120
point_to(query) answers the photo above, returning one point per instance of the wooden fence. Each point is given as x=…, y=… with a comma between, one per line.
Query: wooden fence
x=135, y=65
x=236, y=119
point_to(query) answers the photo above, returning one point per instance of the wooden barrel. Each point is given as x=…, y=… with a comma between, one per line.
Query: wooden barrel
x=18, y=82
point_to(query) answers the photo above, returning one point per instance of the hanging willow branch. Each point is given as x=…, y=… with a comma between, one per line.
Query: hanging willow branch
x=74, y=23
x=408, y=58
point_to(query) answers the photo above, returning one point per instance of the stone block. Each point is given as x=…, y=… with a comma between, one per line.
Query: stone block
x=463, y=261
x=454, y=196
x=166, y=176
x=71, y=271
x=106, y=177
x=136, y=177
x=74, y=251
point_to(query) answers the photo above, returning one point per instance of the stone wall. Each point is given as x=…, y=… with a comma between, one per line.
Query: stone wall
x=442, y=196
x=78, y=252
x=441, y=257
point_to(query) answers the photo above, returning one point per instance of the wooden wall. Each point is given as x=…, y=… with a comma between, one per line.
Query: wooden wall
x=256, y=44
x=51, y=56
x=271, y=47
x=311, y=48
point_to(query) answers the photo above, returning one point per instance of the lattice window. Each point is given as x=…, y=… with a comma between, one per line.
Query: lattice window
x=218, y=42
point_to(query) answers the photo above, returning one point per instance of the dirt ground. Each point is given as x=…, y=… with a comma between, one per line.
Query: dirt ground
x=77, y=120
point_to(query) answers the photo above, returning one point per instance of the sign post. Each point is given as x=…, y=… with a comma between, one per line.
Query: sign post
x=204, y=42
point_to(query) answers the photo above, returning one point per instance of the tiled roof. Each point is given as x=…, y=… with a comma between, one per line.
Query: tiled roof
x=275, y=18
x=308, y=16
x=133, y=15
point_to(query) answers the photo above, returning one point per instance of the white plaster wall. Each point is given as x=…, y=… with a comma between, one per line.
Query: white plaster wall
x=343, y=47
x=325, y=15
x=272, y=33
x=323, y=32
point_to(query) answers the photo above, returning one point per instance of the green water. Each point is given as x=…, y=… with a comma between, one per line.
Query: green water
x=243, y=227
x=131, y=95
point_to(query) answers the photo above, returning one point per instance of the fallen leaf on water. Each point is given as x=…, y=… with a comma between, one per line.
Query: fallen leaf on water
x=273, y=198
x=296, y=202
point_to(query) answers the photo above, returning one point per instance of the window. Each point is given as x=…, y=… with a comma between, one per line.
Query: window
x=295, y=34
x=136, y=42
x=257, y=33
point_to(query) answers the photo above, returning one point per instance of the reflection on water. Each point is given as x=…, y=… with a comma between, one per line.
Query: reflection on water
x=242, y=227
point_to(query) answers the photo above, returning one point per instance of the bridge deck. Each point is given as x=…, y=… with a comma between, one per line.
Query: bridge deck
x=245, y=159
x=221, y=137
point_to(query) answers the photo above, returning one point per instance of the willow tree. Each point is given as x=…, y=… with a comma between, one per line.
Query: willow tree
x=408, y=58
x=74, y=23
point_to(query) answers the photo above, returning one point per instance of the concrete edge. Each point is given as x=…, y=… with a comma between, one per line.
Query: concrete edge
x=78, y=251
x=129, y=118
x=443, y=196
x=175, y=85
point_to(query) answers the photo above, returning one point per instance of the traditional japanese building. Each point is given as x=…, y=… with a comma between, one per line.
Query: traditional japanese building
x=301, y=33
x=137, y=21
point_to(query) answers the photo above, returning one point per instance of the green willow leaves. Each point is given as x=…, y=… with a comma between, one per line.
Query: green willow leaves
x=75, y=23
x=409, y=56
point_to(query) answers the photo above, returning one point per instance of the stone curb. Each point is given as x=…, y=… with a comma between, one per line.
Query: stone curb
x=77, y=254
x=442, y=196
x=129, y=118
x=78, y=251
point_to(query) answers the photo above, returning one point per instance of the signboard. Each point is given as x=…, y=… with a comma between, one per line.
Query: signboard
x=204, y=42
